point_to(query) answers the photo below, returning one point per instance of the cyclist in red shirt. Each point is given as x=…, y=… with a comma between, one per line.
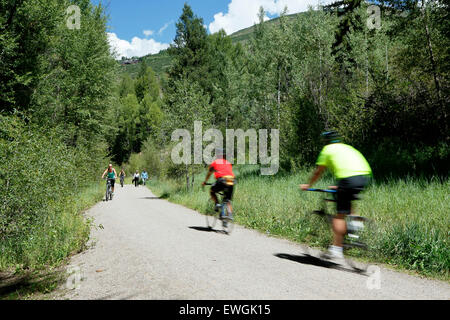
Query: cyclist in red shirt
x=223, y=172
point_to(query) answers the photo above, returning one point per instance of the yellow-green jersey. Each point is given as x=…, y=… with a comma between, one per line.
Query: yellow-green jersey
x=344, y=161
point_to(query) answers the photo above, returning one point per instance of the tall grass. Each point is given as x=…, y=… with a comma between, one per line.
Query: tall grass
x=411, y=215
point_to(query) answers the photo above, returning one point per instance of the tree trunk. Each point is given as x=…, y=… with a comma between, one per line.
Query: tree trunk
x=430, y=51
x=387, y=64
x=434, y=67
x=367, y=65
x=279, y=96
x=192, y=179
x=320, y=76
x=187, y=177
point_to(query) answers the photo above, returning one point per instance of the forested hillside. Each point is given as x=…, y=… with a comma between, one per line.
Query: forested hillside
x=385, y=89
x=161, y=62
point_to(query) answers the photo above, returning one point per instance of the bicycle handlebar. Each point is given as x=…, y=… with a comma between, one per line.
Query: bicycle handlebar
x=322, y=190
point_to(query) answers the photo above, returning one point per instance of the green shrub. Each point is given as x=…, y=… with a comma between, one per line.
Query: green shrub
x=41, y=180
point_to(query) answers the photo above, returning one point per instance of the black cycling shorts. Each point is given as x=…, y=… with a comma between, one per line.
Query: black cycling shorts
x=220, y=185
x=113, y=181
x=347, y=191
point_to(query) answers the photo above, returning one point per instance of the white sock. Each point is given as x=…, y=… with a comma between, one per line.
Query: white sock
x=336, y=249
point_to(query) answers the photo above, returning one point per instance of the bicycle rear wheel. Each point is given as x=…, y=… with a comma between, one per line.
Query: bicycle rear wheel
x=227, y=221
x=360, y=230
x=211, y=219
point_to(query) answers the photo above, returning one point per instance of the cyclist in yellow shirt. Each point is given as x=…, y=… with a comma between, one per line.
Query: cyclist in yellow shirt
x=352, y=172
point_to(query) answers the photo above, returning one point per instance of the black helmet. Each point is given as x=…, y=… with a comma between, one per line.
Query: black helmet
x=220, y=153
x=331, y=137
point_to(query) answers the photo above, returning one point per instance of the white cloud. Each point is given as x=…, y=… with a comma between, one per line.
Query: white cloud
x=148, y=33
x=136, y=48
x=164, y=27
x=244, y=13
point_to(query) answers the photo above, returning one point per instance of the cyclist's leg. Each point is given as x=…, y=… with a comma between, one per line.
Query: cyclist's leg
x=228, y=196
x=113, y=181
x=339, y=229
x=214, y=189
x=356, y=185
x=343, y=208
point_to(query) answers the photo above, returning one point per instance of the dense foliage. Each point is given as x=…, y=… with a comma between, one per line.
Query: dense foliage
x=383, y=86
x=57, y=85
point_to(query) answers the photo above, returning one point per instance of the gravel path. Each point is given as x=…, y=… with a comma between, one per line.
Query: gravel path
x=152, y=249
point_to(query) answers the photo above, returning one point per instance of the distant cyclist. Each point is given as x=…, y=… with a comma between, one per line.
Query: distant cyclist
x=352, y=172
x=122, y=176
x=136, y=178
x=144, y=176
x=111, y=176
x=223, y=172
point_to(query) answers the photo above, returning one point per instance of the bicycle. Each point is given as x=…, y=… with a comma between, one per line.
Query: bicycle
x=122, y=178
x=224, y=212
x=109, y=195
x=358, y=230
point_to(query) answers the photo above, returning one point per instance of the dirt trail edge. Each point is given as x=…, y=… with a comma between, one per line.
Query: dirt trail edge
x=153, y=249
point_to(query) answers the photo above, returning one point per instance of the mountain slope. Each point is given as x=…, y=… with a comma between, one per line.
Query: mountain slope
x=161, y=61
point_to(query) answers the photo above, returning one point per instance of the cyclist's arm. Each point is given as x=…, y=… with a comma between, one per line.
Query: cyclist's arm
x=208, y=175
x=316, y=175
x=104, y=173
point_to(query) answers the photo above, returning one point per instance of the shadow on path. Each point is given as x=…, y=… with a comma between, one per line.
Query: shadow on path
x=151, y=198
x=207, y=229
x=315, y=261
x=117, y=296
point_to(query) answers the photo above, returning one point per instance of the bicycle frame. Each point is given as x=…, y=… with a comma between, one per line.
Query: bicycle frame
x=224, y=214
x=349, y=240
x=222, y=201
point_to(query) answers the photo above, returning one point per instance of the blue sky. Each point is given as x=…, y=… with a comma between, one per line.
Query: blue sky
x=140, y=27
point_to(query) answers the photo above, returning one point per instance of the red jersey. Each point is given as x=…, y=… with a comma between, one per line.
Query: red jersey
x=222, y=168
